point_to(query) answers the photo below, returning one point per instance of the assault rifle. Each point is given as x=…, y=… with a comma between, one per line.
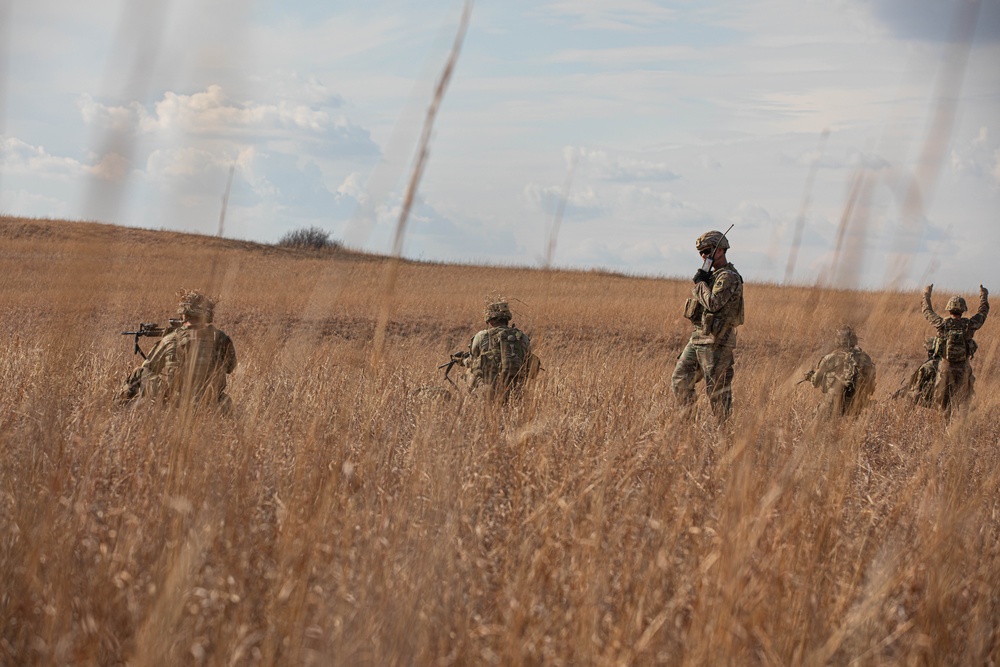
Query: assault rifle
x=455, y=358
x=151, y=330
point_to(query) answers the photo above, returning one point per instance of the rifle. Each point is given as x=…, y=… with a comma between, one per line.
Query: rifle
x=151, y=330
x=806, y=378
x=455, y=358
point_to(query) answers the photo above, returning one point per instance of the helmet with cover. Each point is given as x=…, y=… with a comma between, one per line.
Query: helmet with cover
x=195, y=305
x=498, y=310
x=931, y=346
x=956, y=304
x=845, y=337
x=710, y=240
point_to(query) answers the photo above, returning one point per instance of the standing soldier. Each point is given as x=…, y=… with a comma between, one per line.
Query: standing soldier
x=954, y=383
x=190, y=363
x=500, y=356
x=846, y=375
x=715, y=309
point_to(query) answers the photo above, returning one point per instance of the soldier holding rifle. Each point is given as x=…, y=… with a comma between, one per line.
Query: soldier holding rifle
x=190, y=363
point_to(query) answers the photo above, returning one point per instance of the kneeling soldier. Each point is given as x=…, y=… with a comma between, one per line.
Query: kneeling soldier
x=500, y=357
x=189, y=365
x=846, y=375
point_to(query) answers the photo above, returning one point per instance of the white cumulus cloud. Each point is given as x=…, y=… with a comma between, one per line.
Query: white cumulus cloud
x=19, y=157
x=212, y=114
x=620, y=169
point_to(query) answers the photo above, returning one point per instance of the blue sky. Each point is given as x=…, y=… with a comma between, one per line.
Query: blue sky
x=671, y=118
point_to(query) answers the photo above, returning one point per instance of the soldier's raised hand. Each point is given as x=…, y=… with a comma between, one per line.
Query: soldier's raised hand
x=929, y=289
x=983, y=291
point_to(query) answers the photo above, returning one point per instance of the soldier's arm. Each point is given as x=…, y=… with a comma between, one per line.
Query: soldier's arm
x=819, y=376
x=928, y=311
x=228, y=355
x=718, y=295
x=162, y=356
x=868, y=372
x=474, y=350
x=979, y=319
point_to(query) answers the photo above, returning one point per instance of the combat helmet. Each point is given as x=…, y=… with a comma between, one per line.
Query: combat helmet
x=845, y=337
x=956, y=304
x=194, y=304
x=498, y=310
x=708, y=240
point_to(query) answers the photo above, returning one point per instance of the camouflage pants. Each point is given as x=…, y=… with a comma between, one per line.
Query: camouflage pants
x=715, y=365
x=953, y=388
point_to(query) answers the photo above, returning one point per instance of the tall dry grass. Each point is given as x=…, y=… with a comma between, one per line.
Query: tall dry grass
x=344, y=516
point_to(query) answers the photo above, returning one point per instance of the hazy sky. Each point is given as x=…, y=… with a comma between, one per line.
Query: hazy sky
x=875, y=119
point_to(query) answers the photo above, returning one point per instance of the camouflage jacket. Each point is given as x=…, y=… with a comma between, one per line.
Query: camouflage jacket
x=842, y=369
x=721, y=301
x=191, y=361
x=967, y=325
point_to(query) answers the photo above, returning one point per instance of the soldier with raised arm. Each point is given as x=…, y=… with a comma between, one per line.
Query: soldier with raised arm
x=956, y=346
x=716, y=310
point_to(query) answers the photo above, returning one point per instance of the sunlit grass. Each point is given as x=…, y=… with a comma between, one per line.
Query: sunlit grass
x=346, y=517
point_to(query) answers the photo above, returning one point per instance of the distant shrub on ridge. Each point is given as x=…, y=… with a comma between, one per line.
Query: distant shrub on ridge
x=312, y=238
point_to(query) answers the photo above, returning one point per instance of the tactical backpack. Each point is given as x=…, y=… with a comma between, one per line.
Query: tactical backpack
x=508, y=355
x=954, y=347
x=852, y=376
x=845, y=377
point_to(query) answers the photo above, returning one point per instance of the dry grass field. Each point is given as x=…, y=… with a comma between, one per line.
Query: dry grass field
x=345, y=517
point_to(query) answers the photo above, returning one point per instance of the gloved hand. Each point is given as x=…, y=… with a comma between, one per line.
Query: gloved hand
x=929, y=289
x=983, y=291
x=701, y=276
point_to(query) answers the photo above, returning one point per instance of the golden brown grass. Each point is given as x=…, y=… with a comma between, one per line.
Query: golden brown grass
x=343, y=517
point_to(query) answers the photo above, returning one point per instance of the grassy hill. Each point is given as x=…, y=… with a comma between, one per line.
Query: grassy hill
x=346, y=515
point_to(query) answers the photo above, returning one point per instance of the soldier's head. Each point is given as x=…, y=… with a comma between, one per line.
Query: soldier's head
x=845, y=338
x=497, y=314
x=930, y=345
x=708, y=242
x=956, y=306
x=195, y=307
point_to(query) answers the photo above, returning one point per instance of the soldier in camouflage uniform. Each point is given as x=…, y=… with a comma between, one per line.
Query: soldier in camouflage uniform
x=189, y=364
x=919, y=387
x=500, y=357
x=715, y=309
x=846, y=376
x=954, y=384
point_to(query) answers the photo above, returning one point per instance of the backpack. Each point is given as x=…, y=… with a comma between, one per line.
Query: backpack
x=507, y=355
x=955, y=347
x=851, y=375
